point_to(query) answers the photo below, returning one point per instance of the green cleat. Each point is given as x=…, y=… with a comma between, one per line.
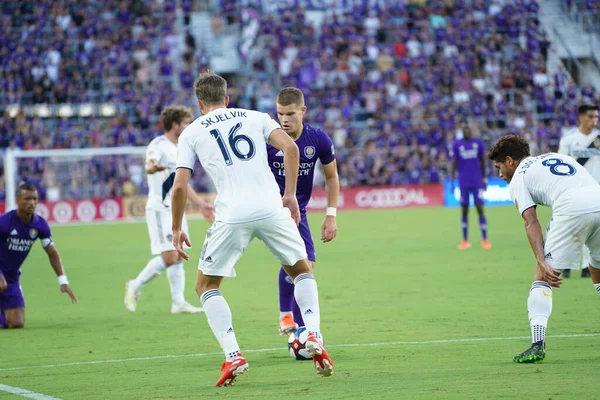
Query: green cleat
x=535, y=353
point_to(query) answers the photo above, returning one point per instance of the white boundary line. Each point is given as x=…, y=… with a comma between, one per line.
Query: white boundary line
x=376, y=344
x=25, y=393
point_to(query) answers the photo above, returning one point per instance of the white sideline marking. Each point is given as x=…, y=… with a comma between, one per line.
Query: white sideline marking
x=25, y=393
x=376, y=344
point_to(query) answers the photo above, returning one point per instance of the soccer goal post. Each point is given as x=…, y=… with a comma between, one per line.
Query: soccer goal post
x=77, y=184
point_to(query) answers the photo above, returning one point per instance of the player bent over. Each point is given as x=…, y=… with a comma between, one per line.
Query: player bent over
x=19, y=230
x=231, y=145
x=557, y=181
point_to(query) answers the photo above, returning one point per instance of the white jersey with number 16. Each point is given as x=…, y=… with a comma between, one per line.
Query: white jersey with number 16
x=231, y=146
x=557, y=181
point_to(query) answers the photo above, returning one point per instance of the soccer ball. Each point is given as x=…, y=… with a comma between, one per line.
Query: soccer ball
x=296, y=342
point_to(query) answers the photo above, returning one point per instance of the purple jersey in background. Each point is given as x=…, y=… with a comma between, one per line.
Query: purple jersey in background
x=313, y=144
x=16, y=239
x=467, y=154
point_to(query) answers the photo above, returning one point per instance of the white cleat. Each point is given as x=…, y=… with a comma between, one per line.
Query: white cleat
x=131, y=296
x=185, y=308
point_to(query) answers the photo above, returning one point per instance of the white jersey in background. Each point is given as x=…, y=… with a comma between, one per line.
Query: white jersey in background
x=231, y=146
x=160, y=183
x=557, y=181
x=584, y=148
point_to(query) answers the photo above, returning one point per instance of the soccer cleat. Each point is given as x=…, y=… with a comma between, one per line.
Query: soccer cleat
x=185, y=308
x=316, y=349
x=232, y=369
x=132, y=296
x=535, y=353
x=566, y=273
x=287, y=325
x=486, y=244
x=585, y=273
x=464, y=245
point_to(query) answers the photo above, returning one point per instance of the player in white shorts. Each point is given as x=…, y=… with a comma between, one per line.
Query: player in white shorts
x=232, y=147
x=161, y=156
x=583, y=144
x=557, y=181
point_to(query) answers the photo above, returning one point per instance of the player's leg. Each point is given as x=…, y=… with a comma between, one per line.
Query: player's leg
x=12, y=307
x=593, y=245
x=563, y=244
x=479, y=204
x=282, y=238
x=223, y=246
x=464, y=218
x=585, y=262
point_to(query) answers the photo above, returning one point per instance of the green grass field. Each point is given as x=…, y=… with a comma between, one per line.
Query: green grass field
x=401, y=312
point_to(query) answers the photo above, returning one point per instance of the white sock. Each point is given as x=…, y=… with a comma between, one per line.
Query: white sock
x=219, y=319
x=176, y=276
x=153, y=269
x=597, y=287
x=539, y=306
x=307, y=297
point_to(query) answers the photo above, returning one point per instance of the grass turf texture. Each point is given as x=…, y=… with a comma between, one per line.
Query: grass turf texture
x=389, y=276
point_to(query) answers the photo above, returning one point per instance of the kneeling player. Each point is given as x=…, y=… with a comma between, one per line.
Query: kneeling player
x=556, y=181
x=19, y=229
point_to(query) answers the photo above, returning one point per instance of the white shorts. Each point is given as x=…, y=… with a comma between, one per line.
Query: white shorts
x=159, y=228
x=225, y=243
x=566, y=237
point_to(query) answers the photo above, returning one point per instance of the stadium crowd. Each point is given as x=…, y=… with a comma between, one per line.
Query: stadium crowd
x=390, y=82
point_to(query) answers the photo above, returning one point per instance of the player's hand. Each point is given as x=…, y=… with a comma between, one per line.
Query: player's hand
x=207, y=210
x=485, y=183
x=3, y=284
x=292, y=203
x=328, y=229
x=66, y=289
x=153, y=167
x=179, y=238
x=543, y=272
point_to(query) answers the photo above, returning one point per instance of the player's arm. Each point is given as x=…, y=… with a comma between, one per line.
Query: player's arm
x=332, y=188
x=536, y=241
x=291, y=162
x=57, y=265
x=206, y=208
x=563, y=146
x=152, y=161
x=3, y=284
x=186, y=158
x=453, y=168
x=483, y=162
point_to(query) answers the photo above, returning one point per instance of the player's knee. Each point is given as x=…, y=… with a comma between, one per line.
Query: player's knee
x=301, y=267
x=170, y=257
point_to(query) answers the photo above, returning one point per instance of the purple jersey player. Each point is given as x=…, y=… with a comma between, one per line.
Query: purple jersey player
x=314, y=145
x=18, y=231
x=468, y=157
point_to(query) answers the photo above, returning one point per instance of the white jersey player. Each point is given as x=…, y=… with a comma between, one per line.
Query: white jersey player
x=231, y=146
x=161, y=157
x=583, y=144
x=557, y=181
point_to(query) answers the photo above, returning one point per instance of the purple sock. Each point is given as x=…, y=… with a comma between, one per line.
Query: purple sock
x=483, y=225
x=3, y=324
x=465, y=226
x=286, y=292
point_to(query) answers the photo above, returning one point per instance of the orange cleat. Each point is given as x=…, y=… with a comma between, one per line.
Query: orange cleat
x=231, y=370
x=464, y=245
x=287, y=325
x=315, y=348
x=486, y=244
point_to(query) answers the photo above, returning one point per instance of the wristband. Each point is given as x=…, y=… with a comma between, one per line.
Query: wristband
x=331, y=212
x=62, y=280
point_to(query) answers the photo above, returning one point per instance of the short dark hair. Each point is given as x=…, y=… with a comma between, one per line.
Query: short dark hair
x=26, y=187
x=174, y=114
x=511, y=146
x=289, y=96
x=584, y=108
x=210, y=88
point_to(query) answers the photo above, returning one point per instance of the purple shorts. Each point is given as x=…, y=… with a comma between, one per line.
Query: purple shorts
x=12, y=297
x=466, y=191
x=305, y=234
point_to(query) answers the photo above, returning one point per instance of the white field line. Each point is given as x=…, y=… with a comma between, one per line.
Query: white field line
x=25, y=393
x=376, y=344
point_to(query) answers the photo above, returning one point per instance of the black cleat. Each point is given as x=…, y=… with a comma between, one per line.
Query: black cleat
x=585, y=273
x=535, y=353
x=566, y=273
